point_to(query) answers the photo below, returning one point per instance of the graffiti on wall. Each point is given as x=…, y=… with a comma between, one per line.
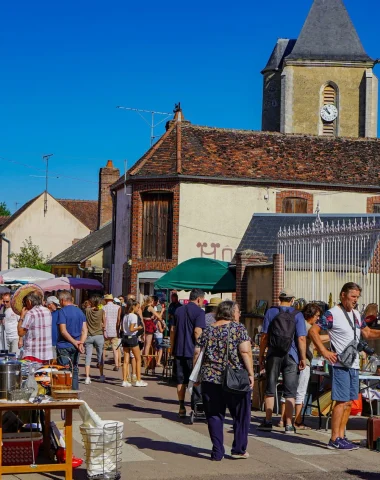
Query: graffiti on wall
x=216, y=251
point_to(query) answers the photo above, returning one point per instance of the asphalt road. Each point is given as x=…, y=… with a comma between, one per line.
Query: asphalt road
x=158, y=445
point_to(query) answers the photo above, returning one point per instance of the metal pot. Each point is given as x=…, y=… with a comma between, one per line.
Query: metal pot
x=10, y=377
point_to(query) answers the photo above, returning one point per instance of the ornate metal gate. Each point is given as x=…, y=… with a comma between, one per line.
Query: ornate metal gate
x=320, y=257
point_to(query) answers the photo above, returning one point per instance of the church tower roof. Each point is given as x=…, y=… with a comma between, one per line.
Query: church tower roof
x=329, y=34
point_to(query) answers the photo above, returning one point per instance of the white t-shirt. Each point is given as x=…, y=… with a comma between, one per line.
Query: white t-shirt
x=11, y=320
x=340, y=331
x=128, y=320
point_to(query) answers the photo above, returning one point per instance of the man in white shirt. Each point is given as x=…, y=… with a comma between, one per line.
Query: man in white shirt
x=12, y=341
x=339, y=321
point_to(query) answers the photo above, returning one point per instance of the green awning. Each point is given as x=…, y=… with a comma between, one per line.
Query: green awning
x=213, y=276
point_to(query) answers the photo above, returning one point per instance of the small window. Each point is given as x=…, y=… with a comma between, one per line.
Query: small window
x=157, y=226
x=294, y=205
x=376, y=208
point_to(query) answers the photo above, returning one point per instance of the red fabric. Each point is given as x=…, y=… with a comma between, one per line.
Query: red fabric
x=34, y=359
x=357, y=406
x=150, y=327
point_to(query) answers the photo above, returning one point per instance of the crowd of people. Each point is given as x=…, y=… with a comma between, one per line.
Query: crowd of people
x=54, y=327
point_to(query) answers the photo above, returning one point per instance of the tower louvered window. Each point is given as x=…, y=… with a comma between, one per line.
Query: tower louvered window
x=329, y=98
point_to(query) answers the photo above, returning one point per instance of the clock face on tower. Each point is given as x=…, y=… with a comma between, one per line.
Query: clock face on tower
x=329, y=113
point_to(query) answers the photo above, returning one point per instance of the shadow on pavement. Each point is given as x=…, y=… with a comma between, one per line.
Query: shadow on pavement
x=173, y=416
x=162, y=400
x=143, y=443
x=363, y=475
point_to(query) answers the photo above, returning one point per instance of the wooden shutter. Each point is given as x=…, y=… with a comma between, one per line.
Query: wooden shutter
x=329, y=98
x=294, y=205
x=157, y=226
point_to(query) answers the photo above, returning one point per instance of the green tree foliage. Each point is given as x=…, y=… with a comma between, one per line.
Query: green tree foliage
x=4, y=210
x=30, y=256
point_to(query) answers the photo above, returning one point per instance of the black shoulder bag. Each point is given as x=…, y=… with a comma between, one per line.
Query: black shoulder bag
x=234, y=381
x=349, y=354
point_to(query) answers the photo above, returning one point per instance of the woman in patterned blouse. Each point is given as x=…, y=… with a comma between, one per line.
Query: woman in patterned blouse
x=214, y=342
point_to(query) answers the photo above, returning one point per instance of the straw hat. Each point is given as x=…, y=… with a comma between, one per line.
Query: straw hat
x=109, y=296
x=19, y=295
x=214, y=302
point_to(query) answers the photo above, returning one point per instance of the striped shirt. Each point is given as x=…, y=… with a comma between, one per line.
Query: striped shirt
x=38, y=338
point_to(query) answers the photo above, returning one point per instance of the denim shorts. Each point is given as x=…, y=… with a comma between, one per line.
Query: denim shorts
x=158, y=343
x=289, y=369
x=345, y=384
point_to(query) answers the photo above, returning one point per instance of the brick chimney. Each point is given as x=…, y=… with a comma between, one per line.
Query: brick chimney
x=107, y=176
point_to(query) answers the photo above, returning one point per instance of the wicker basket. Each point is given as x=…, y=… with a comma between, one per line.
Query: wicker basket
x=17, y=448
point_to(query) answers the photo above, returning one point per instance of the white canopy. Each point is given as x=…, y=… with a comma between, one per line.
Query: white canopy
x=23, y=275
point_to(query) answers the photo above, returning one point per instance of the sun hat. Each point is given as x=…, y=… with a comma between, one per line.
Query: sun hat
x=17, y=301
x=109, y=296
x=287, y=293
x=116, y=300
x=51, y=300
x=214, y=302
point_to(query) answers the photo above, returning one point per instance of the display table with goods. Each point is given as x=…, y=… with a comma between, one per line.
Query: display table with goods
x=18, y=452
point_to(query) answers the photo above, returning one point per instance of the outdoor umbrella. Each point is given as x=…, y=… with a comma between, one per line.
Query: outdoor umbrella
x=210, y=275
x=66, y=283
x=23, y=275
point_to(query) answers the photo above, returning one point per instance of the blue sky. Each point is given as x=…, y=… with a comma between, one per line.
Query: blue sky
x=65, y=66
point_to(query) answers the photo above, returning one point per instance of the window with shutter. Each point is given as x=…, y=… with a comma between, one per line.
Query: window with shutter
x=157, y=231
x=376, y=208
x=294, y=205
x=329, y=97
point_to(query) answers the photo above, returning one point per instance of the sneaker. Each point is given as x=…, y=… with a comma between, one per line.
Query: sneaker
x=290, y=430
x=140, y=383
x=352, y=445
x=338, y=444
x=102, y=378
x=126, y=384
x=115, y=369
x=134, y=378
x=238, y=456
x=87, y=381
x=265, y=426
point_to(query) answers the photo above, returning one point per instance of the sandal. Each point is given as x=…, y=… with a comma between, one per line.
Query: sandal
x=302, y=426
x=280, y=424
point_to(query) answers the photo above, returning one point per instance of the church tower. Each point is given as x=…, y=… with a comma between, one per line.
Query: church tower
x=322, y=83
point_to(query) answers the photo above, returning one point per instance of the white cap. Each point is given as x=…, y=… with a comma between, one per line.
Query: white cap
x=51, y=300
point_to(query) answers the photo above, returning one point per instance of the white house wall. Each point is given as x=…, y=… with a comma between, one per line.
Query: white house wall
x=53, y=233
x=213, y=218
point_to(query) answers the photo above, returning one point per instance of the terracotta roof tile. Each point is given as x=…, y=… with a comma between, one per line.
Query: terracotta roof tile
x=251, y=155
x=3, y=219
x=86, y=211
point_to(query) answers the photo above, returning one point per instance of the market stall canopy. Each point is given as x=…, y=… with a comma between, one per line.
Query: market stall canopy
x=213, y=276
x=66, y=283
x=23, y=275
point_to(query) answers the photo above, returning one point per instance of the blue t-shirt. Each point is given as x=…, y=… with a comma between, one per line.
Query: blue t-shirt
x=54, y=327
x=300, y=328
x=186, y=319
x=73, y=318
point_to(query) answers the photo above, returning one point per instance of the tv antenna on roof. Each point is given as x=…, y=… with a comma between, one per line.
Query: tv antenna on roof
x=46, y=158
x=151, y=124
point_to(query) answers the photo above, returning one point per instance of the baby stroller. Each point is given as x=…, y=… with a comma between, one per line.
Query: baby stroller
x=197, y=410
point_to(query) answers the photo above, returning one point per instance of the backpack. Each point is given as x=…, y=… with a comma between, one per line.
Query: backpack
x=281, y=331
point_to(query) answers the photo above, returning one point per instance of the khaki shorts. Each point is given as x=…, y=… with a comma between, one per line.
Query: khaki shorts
x=112, y=341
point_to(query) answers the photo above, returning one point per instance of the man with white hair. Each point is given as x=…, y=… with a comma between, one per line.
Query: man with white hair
x=52, y=303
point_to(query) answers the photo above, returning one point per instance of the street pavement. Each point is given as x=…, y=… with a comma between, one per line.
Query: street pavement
x=158, y=445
